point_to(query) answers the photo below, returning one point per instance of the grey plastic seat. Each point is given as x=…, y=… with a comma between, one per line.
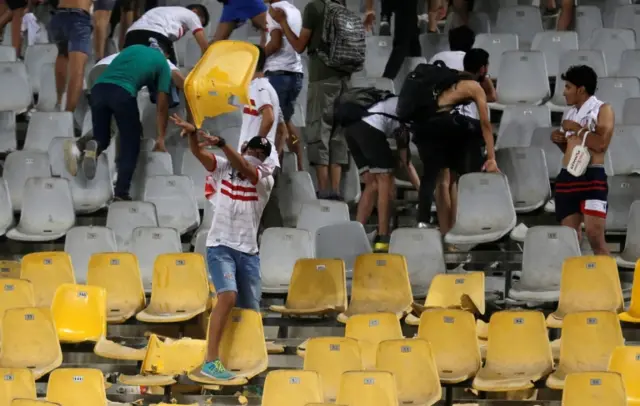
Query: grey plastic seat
x=496, y=45
x=192, y=168
x=631, y=252
x=18, y=167
x=350, y=183
x=541, y=138
x=91, y=195
x=7, y=53
x=378, y=51
x=630, y=64
x=124, y=217
x=524, y=21
x=47, y=210
x=8, y=131
x=479, y=22
x=553, y=44
x=222, y=122
x=289, y=162
x=44, y=127
x=407, y=67
x=175, y=202
x=591, y=58
x=518, y=124
x=616, y=90
x=588, y=19
x=345, y=241
x=16, y=94
x=545, y=249
x=379, y=83
x=6, y=210
x=36, y=56
x=630, y=111
x=82, y=242
x=612, y=42
x=623, y=191
x=293, y=190
x=422, y=249
x=431, y=44
x=526, y=170
x=205, y=224
x=280, y=248
x=485, y=210
x=149, y=242
x=625, y=16
x=624, y=149
x=47, y=97
x=149, y=164
x=320, y=213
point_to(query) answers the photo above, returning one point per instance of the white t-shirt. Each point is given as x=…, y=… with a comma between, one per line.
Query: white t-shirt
x=261, y=94
x=110, y=58
x=238, y=206
x=455, y=60
x=383, y=123
x=286, y=58
x=172, y=22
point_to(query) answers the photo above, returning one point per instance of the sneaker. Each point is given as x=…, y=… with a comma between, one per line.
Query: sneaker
x=423, y=225
x=71, y=156
x=215, y=370
x=381, y=244
x=385, y=29
x=90, y=161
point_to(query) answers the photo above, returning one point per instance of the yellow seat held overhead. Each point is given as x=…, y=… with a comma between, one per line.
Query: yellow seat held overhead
x=318, y=286
x=291, y=388
x=46, y=271
x=632, y=315
x=370, y=330
x=626, y=362
x=10, y=269
x=594, y=389
x=368, y=388
x=79, y=312
x=225, y=70
x=77, y=387
x=16, y=383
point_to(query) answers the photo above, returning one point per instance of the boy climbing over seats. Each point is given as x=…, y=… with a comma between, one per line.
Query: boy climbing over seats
x=581, y=186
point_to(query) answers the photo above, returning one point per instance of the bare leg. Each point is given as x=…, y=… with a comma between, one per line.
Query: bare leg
x=223, y=31
x=101, y=26
x=566, y=15
x=16, y=30
x=217, y=321
x=385, y=185
x=434, y=5
x=5, y=16
x=77, y=61
x=461, y=7
x=260, y=22
x=336, y=177
x=574, y=221
x=453, y=194
x=594, y=227
x=61, y=76
x=322, y=174
x=368, y=198
x=126, y=19
x=443, y=201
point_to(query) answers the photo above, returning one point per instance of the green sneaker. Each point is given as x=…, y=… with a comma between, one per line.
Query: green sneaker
x=215, y=370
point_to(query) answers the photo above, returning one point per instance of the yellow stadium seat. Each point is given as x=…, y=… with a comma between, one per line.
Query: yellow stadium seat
x=243, y=350
x=77, y=387
x=318, y=286
x=166, y=359
x=291, y=388
x=30, y=340
x=80, y=313
x=412, y=364
x=518, y=352
x=15, y=293
x=16, y=383
x=633, y=314
x=225, y=70
x=179, y=290
x=588, y=340
x=10, y=269
x=380, y=284
x=323, y=404
x=454, y=343
x=368, y=388
x=32, y=402
x=465, y=291
x=589, y=283
x=46, y=271
x=594, y=389
x=119, y=274
x=330, y=357
x=370, y=330
x=626, y=362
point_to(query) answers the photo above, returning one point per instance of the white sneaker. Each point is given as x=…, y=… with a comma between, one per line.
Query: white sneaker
x=423, y=225
x=71, y=156
x=519, y=232
x=550, y=207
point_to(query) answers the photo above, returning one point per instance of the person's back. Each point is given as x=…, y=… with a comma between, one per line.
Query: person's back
x=171, y=21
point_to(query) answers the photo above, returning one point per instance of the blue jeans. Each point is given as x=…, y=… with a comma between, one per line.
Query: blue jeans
x=235, y=271
x=288, y=86
x=71, y=30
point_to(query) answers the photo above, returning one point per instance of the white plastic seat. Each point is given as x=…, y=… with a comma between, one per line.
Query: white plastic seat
x=82, y=242
x=518, y=124
x=20, y=166
x=7, y=53
x=631, y=252
x=485, y=209
x=6, y=210
x=378, y=51
x=527, y=173
x=432, y=43
x=524, y=21
x=192, y=168
x=629, y=64
x=623, y=152
x=149, y=164
x=47, y=210
x=16, y=91
x=36, y=56
x=293, y=190
x=124, y=217
x=541, y=138
x=615, y=90
x=175, y=202
x=47, y=96
x=479, y=22
x=8, y=131
x=553, y=44
x=319, y=213
x=612, y=42
x=623, y=191
x=624, y=16
x=90, y=195
x=346, y=241
x=149, y=242
x=44, y=127
x=592, y=58
x=630, y=114
x=280, y=248
x=588, y=19
x=496, y=45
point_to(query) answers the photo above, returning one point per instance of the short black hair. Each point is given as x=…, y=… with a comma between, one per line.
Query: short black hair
x=461, y=38
x=475, y=59
x=582, y=75
x=262, y=58
x=202, y=10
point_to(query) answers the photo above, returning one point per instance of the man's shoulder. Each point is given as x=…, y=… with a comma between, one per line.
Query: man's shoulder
x=260, y=85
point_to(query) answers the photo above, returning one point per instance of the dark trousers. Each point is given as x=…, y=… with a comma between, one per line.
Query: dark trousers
x=107, y=101
x=406, y=41
x=386, y=10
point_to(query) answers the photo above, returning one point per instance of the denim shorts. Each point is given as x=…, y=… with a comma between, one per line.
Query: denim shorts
x=239, y=11
x=71, y=30
x=288, y=86
x=235, y=271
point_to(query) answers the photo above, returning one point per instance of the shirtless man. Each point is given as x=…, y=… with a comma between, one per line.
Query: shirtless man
x=584, y=198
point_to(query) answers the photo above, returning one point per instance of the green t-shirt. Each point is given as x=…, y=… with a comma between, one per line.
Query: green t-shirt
x=313, y=19
x=138, y=66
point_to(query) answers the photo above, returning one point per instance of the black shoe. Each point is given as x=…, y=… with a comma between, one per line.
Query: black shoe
x=90, y=160
x=385, y=29
x=381, y=244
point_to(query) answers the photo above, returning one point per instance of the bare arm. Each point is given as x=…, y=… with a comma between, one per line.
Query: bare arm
x=478, y=96
x=408, y=165
x=177, y=78
x=162, y=116
x=598, y=140
x=201, y=40
x=206, y=158
x=267, y=120
x=240, y=164
x=275, y=42
x=489, y=89
x=298, y=43
x=559, y=138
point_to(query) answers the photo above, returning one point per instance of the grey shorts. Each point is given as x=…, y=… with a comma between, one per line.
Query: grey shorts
x=323, y=147
x=104, y=5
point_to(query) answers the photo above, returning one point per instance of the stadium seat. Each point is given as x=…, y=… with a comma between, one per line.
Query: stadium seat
x=553, y=156
x=34, y=58
x=44, y=127
x=527, y=173
x=588, y=340
x=346, y=241
x=591, y=58
x=15, y=293
x=205, y=224
x=615, y=91
x=629, y=64
x=289, y=162
x=412, y=363
x=192, y=168
x=8, y=140
x=330, y=357
x=82, y=242
x=433, y=43
x=589, y=283
x=496, y=45
x=623, y=148
x=624, y=17
x=149, y=164
x=380, y=284
x=612, y=42
x=150, y=242
x=623, y=191
x=625, y=361
x=370, y=330
x=594, y=389
x=77, y=387
x=422, y=249
x=16, y=383
x=16, y=90
x=407, y=67
x=320, y=213
x=553, y=44
x=46, y=212
x=378, y=51
x=280, y=250
x=6, y=209
x=9, y=269
x=630, y=109
x=291, y=388
x=317, y=287
x=20, y=166
x=485, y=211
x=631, y=253
x=124, y=217
x=368, y=388
x=46, y=271
x=588, y=19
x=293, y=190
x=88, y=195
x=518, y=123
x=47, y=96
x=524, y=21
x=518, y=352
x=180, y=289
x=79, y=312
x=242, y=350
x=545, y=250
x=29, y=340
x=511, y=89
x=175, y=202
x=479, y=22
x=7, y=53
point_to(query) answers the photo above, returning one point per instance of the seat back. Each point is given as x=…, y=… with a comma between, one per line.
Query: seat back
x=292, y=388
x=514, y=65
x=44, y=127
x=20, y=166
x=594, y=389
x=175, y=201
x=77, y=387
x=317, y=283
x=496, y=45
x=149, y=242
x=368, y=388
x=612, y=42
x=464, y=291
x=124, y=217
x=518, y=123
x=47, y=271
x=615, y=91
x=527, y=174
x=16, y=383
x=625, y=360
x=243, y=345
x=9, y=269
x=553, y=44
x=80, y=312
x=345, y=240
x=370, y=330
x=280, y=249
x=16, y=293
x=173, y=357
x=82, y=242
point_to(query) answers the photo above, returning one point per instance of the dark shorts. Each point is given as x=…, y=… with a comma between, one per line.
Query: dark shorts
x=71, y=30
x=288, y=86
x=369, y=148
x=585, y=195
x=16, y=4
x=239, y=11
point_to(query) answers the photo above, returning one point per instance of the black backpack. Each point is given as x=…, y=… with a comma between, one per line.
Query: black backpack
x=353, y=105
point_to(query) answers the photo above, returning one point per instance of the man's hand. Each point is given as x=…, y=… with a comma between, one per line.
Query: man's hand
x=491, y=166
x=369, y=19
x=278, y=14
x=558, y=137
x=569, y=125
x=208, y=140
x=187, y=128
x=159, y=146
